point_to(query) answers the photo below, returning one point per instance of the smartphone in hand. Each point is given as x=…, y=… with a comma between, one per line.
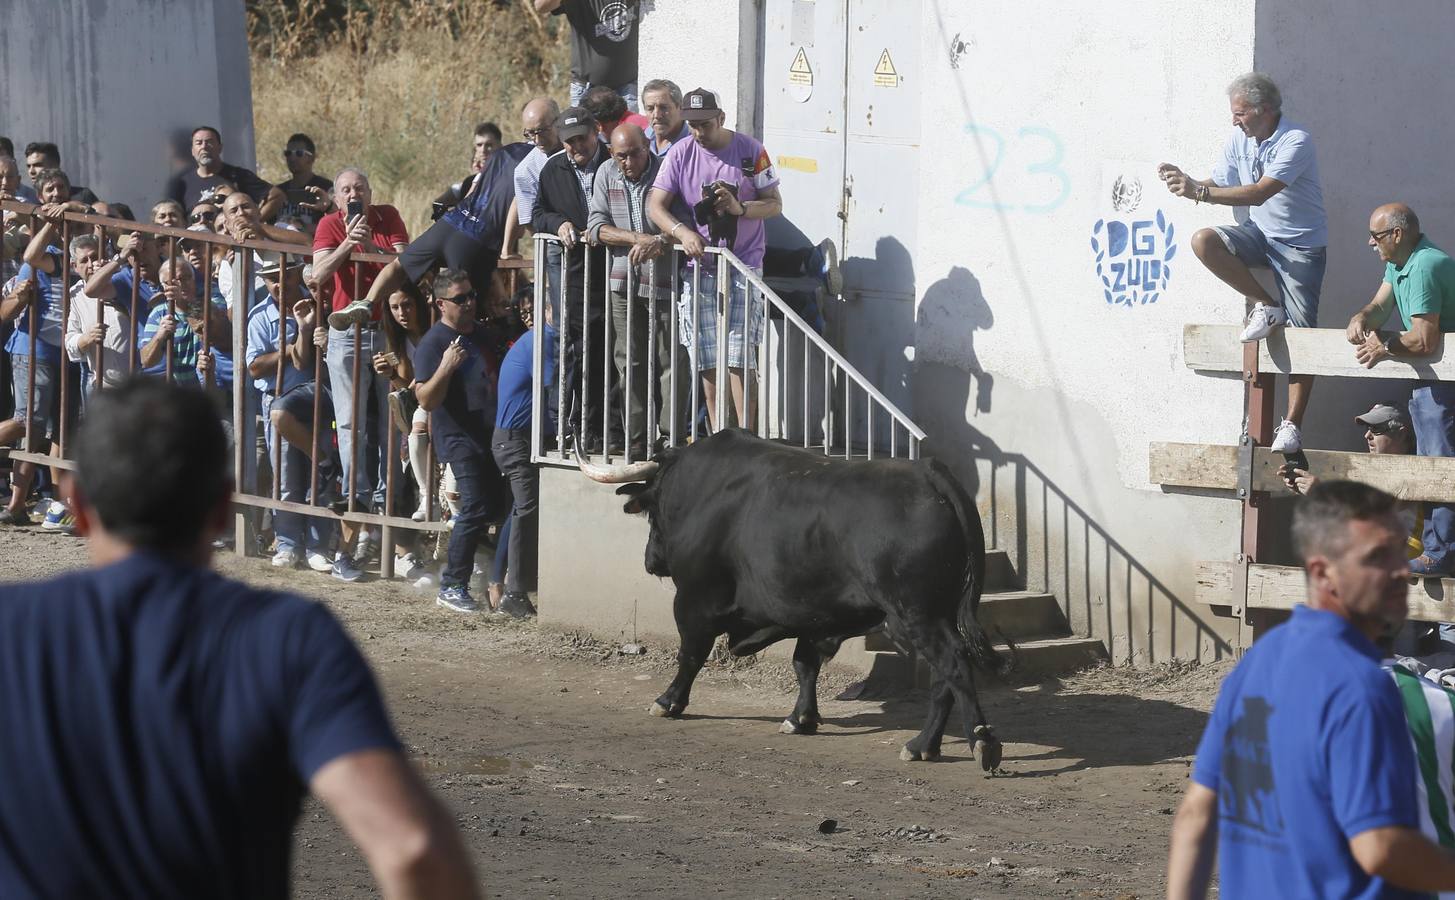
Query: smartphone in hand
x=1294, y=461
x=356, y=208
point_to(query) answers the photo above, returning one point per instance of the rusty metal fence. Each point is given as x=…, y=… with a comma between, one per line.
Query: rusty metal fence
x=244, y=407
x=796, y=387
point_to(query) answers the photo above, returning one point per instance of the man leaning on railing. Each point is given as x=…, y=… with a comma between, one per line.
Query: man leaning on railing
x=1419, y=281
x=619, y=219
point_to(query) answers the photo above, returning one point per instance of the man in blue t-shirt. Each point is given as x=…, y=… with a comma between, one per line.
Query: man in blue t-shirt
x=455, y=375
x=160, y=724
x=1305, y=786
x=510, y=445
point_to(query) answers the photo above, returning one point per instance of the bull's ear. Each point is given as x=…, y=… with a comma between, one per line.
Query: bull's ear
x=633, y=490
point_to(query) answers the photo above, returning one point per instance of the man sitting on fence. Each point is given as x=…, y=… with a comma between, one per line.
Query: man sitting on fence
x=1419, y=281
x=289, y=414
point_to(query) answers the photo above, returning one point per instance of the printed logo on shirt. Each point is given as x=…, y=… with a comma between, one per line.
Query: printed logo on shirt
x=760, y=170
x=1246, y=792
x=616, y=22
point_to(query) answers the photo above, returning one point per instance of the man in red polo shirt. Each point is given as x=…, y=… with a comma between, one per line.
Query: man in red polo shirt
x=378, y=229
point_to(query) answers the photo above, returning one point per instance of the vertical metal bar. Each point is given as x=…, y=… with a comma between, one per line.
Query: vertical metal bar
x=584, y=389
x=696, y=344
x=763, y=367
x=654, y=377
x=537, y=361
x=278, y=376
x=724, y=380
x=319, y=320
x=134, y=356
x=65, y=361
x=33, y=325
x=241, y=383
x=172, y=307
x=807, y=381
x=207, y=311
x=674, y=342
x=101, y=317
x=869, y=425
x=563, y=307
x=828, y=424
x=893, y=438
x=913, y=447
x=848, y=416
x=1259, y=391
x=392, y=460
x=630, y=339
x=606, y=363
x=353, y=478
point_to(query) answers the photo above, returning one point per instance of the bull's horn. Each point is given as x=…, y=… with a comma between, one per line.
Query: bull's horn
x=637, y=471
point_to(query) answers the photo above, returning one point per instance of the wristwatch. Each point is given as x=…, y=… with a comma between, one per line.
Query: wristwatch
x=1391, y=343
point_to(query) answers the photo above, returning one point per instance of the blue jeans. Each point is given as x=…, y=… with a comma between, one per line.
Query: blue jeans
x=294, y=530
x=1299, y=271
x=368, y=483
x=475, y=479
x=628, y=93
x=1432, y=413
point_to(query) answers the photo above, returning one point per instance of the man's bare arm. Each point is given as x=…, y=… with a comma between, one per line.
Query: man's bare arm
x=411, y=845
x=35, y=251
x=546, y=7
x=1404, y=858
x=1194, y=844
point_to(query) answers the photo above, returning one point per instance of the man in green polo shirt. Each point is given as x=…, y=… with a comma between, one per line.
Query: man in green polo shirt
x=1419, y=280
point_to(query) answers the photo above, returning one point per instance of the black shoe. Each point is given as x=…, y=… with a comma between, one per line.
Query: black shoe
x=517, y=605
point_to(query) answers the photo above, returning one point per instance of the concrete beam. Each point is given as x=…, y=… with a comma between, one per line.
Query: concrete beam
x=1215, y=466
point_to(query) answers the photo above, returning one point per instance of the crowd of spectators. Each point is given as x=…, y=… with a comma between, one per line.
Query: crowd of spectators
x=425, y=333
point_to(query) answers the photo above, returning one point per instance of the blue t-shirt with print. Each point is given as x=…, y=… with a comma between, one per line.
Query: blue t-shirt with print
x=482, y=214
x=515, y=404
x=1306, y=748
x=159, y=725
x=459, y=428
x=48, y=304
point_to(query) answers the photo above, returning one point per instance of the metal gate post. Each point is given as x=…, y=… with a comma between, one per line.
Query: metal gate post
x=1259, y=393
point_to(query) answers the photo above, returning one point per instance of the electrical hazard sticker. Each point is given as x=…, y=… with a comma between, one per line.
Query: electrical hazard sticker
x=800, y=77
x=885, y=75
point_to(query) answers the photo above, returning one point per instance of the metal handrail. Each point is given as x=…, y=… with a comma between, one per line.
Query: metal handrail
x=796, y=331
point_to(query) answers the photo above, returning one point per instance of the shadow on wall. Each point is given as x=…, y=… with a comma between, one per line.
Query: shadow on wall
x=1056, y=544
x=875, y=329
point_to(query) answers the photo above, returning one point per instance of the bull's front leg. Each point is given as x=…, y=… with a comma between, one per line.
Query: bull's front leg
x=697, y=632
x=808, y=659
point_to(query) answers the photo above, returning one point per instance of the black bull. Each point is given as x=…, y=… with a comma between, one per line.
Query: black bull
x=764, y=542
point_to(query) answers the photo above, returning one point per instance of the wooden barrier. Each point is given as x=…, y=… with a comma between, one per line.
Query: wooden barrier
x=1281, y=587
x=1215, y=466
x=1303, y=351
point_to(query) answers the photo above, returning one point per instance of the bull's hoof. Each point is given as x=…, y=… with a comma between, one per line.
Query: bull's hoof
x=791, y=727
x=910, y=755
x=988, y=747
x=663, y=712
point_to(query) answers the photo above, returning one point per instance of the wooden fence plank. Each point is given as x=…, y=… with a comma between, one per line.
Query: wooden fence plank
x=1280, y=587
x=1302, y=351
x=1215, y=466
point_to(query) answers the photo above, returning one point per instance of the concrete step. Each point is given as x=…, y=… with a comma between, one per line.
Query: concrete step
x=1021, y=614
x=999, y=572
x=1055, y=655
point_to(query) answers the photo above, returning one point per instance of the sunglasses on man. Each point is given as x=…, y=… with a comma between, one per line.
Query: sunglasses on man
x=462, y=299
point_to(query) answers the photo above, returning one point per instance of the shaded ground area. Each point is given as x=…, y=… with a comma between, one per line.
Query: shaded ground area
x=564, y=786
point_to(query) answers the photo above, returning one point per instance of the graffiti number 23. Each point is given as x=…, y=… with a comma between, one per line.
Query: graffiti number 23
x=1040, y=152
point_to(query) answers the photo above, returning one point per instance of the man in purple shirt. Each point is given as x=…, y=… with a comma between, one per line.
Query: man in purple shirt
x=728, y=181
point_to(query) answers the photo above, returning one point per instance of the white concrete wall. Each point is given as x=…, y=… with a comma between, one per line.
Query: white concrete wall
x=119, y=84
x=705, y=43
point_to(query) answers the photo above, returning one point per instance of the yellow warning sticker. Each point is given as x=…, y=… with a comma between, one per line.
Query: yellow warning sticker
x=798, y=163
x=800, y=72
x=885, y=75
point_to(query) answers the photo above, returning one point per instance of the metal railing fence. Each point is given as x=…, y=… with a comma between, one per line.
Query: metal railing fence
x=795, y=386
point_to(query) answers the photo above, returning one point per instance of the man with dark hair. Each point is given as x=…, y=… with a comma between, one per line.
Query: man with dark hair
x=169, y=721
x=1306, y=786
x=307, y=196
x=562, y=209
x=43, y=155
x=11, y=187
x=609, y=110
x=488, y=139
x=1419, y=283
x=188, y=186
x=455, y=375
x=604, y=51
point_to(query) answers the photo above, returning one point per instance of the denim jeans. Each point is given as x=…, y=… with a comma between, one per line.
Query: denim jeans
x=368, y=483
x=512, y=454
x=294, y=530
x=1432, y=413
x=475, y=480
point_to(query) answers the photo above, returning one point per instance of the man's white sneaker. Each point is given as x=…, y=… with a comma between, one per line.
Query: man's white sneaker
x=408, y=567
x=1262, y=320
x=356, y=313
x=1286, y=438
x=286, y=557
x=319, y=562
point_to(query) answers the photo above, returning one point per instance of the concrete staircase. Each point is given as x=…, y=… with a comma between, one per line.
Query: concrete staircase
x=1031, y=619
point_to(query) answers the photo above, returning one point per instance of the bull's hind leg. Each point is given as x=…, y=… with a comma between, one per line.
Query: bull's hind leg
x=945, y=651
x=697, y=632
x=808, y=658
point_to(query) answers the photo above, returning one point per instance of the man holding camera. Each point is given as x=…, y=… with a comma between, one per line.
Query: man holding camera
x=730, y=179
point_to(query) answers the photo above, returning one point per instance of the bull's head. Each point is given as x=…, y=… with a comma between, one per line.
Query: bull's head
x=638, y=482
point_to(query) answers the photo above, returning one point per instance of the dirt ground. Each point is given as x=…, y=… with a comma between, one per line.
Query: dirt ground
x=565, y=787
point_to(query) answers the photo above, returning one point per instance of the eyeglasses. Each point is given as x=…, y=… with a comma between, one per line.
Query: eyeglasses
x=198, y=217
x=531, y=134
x=462, y=299
x=1380, y=235
x=298, y=153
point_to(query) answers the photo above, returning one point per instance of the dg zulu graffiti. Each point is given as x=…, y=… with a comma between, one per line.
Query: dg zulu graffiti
x=1133, y=259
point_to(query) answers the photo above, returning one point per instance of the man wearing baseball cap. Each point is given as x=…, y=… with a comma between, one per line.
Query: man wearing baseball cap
x=728, y=180
x=563, y=205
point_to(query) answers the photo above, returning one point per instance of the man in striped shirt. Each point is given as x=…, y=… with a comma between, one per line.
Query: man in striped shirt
x=1429, y=710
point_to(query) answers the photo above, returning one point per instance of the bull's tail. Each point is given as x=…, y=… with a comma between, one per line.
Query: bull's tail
x=982, y=653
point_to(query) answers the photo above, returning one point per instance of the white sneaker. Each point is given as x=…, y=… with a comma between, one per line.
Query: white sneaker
x=408, y=567
x=286, y=558
x=319, y=562
x=1286, y=438
x=1262, y=320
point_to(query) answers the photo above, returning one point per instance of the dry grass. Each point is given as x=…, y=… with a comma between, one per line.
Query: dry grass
x=396, y=87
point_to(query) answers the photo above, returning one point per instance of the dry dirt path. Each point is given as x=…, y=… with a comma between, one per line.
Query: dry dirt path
x=564, y=786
